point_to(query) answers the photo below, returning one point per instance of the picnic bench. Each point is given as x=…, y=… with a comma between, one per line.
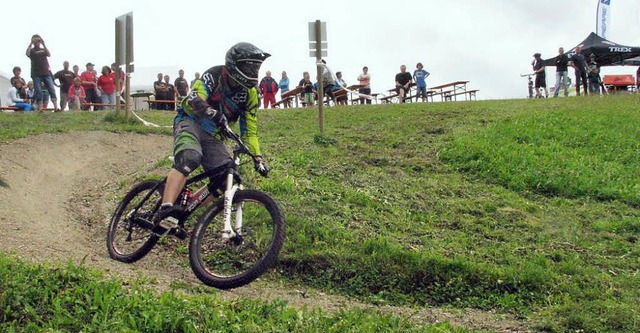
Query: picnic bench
x=284, y=101
x=293, y=93
x=455, y=89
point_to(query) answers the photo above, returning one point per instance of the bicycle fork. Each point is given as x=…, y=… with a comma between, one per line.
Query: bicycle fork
x=229, y=232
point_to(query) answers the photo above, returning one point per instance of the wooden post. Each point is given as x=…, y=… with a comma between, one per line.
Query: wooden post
x=320, y=70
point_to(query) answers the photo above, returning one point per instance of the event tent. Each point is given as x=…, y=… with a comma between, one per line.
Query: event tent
x=5, y=84
x=607, y=52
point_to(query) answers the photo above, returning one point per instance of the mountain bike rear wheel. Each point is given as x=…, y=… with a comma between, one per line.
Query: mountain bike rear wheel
x=231, y=263
x=129, y=237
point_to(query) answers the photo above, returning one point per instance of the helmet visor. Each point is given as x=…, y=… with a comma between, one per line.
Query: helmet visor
x=249, y=68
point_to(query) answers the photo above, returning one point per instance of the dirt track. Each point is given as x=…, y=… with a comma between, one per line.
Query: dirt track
x=60, y=195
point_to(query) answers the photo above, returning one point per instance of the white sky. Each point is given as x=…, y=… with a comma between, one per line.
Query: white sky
x=489, y=43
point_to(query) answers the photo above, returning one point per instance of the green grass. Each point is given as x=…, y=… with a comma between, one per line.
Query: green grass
x=521, y=206
x=37, y=298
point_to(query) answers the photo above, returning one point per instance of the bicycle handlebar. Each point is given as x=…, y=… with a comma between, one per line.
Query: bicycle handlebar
x=228, y=132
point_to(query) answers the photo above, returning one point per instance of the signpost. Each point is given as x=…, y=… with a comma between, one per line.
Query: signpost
x=124, y=56
x=318, y=49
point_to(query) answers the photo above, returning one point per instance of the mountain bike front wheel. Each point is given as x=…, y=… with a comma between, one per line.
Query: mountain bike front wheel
x=129, y=237
x=227, y=263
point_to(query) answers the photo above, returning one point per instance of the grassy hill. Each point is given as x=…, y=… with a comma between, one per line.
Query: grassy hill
x=527, y=207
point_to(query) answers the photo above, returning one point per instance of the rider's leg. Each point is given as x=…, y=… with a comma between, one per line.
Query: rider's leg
x=175, y=183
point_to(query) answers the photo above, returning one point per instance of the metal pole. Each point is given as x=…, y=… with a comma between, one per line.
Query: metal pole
x=319, y=69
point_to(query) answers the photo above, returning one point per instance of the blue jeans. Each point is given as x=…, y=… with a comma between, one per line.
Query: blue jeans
x=48, y=82
x=24, y=106
x=561, y=81
x=108, y=98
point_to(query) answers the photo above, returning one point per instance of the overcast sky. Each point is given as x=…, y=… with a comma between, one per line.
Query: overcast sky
x=489, y=43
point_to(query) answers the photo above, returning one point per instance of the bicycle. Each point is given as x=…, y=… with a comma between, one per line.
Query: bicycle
x=529, y=84
x=221, y=255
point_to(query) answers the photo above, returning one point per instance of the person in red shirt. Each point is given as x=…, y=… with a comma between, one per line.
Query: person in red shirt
x=90, y=84
x=268, y=88
x=107, y=86
x=76, y=94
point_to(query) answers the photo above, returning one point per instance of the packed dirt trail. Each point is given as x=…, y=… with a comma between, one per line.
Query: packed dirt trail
x=61, y=189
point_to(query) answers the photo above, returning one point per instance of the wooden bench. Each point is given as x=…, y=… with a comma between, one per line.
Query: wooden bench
x=470, y=93
x=9, y=108
x=387, y=99
x=285, y=101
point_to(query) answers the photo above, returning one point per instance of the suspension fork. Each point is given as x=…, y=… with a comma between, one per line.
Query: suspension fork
x=229, y=193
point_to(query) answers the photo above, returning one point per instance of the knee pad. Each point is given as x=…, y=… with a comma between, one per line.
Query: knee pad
x=186, y=161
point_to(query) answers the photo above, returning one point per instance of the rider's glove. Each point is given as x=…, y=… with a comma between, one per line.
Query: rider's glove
x=217, y=117
x=262, y=168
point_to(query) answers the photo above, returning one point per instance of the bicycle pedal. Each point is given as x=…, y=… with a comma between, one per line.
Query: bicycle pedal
x=164, y=226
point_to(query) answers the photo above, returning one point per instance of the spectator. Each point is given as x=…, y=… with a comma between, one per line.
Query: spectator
x=65, y=77
x=107, y=86
x=76, y=95
x=403, y=83
x=76, y=70
x=31, y=93
x=197, y=77
x=90, y=84
x=170, y=95
x=579, y=64
x=363, y=80
x=13, y=98
x=308, y=90
x=340, y=85
x=328, y=81
x=541, y=76
x=594, y=75
x=268, y=89
x=182, y=86
x=160, y=90
x=562, y=62
x=283, y=85
x=420, y=75
x=38, y=52
x=22, y=92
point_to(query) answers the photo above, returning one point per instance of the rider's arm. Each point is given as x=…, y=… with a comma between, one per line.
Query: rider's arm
x=197, y=100
x=249, y=123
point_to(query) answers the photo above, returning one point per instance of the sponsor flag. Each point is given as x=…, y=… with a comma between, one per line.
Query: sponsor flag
x=603, y=18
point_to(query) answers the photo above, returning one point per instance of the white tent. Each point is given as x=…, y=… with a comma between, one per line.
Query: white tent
x=5, y=84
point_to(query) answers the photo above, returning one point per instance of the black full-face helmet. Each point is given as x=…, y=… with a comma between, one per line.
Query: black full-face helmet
x=243, y=62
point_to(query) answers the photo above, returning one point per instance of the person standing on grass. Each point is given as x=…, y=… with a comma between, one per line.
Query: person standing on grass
x=562, y=63
x=181, y=84
x=65, y=77
x=90, y=84
x=541, y=76
x=420, y=75
x=107, y=86
x=579, y=64
x=364, y=80
x=268, y=89
x=38, y=52
x=283, y=86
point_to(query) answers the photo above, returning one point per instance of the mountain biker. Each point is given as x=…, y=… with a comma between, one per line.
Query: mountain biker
x=223, y=94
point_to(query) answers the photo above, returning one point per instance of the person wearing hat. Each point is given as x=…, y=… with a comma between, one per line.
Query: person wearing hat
x=541, y=77
x=594, y=75
x=89, y=81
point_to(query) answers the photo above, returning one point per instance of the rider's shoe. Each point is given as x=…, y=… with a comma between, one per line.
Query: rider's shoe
x=168, y=218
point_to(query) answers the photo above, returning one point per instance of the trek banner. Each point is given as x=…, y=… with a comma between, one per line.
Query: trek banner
x=603, y=18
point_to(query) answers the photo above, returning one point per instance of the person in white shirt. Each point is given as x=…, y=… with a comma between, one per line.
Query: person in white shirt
x=13, y=99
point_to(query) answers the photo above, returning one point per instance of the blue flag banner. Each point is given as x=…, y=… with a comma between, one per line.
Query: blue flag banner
x=603, y=19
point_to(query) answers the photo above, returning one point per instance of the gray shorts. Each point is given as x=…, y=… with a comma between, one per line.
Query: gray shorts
x=187, y=134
